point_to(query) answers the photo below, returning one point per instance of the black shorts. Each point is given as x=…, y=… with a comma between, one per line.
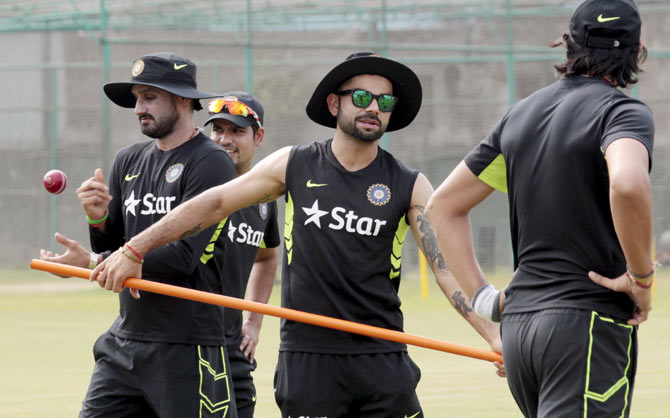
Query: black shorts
x=347, y=386
x=146, y=379
x=243, y=382
x=569, y=363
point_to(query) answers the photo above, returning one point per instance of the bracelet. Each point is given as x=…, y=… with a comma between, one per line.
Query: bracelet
x=97, y=222
x=644, y=285
x=131, y=256
x=93, y=260
x=655, y=265
x=134, y=251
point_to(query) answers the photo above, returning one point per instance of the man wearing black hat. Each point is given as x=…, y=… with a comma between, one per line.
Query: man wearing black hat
x=349, y=205
x=163, y=356
x=245, y=249
x=575, y=159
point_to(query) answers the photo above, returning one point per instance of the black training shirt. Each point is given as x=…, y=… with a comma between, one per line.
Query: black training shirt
x=547, y=152
x=147, y=183
x=233, y=250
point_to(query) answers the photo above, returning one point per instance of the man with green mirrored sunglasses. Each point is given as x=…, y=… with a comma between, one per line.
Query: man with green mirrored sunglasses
x=349, y=205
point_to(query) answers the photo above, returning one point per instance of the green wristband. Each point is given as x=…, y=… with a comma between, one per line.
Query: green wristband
x=97, y=221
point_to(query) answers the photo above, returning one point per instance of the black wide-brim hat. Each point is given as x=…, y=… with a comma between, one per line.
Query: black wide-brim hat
x=163, y=70
x=406, y=86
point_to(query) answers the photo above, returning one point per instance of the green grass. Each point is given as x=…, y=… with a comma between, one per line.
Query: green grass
x=49, y=326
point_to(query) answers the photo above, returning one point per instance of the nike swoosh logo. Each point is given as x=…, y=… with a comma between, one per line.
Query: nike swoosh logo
x=253, y=399
x=602, y=19
x=129, y=177
x=413, y=415
x=310, y=184
x=179, y=67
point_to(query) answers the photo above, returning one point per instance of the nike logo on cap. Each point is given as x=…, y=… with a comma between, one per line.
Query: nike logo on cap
x=413, y=415
x=602, y=19
x=179, y=67
x=134, y=176
x=310, y=184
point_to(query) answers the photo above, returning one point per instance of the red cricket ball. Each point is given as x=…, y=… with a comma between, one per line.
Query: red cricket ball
x=55, y=181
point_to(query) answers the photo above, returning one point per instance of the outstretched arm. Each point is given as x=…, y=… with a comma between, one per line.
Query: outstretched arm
x=264, y=183
x=426, y=239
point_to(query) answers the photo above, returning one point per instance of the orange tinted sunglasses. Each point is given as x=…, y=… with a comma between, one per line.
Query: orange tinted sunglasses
x=232, y=107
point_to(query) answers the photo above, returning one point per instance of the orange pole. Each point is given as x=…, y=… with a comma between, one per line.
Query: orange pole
x=293, y=315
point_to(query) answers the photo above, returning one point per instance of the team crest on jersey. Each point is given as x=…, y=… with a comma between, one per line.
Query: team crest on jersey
x=379, y=194
x=174, y=172
x=263, y=210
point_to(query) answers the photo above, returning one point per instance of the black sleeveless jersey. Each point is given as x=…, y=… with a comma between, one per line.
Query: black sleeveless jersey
x=343, y=240
x=233, y=249
x=146, y=184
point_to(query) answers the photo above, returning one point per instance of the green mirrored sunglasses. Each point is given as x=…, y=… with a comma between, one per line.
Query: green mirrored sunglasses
x=363, y=98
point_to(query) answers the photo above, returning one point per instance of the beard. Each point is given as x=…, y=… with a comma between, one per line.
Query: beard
x=349, y=127
x=163, y=125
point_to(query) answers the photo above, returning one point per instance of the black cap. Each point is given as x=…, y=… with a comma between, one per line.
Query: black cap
x=606, y=24
x=164, y=70
x=241, y=121
x=406, y=86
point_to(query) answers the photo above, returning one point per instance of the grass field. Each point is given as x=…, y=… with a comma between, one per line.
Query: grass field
x=49, y=326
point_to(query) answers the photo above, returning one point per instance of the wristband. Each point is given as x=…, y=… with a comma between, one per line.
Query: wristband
x=93, y=260
x=131, y=256
x=97, y=222
x=646, y=285
x=644, y=276
x=132, y=250
x=486, y=302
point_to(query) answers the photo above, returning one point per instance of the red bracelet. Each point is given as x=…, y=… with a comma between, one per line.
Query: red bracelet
x=132, y=250
x=644, y=286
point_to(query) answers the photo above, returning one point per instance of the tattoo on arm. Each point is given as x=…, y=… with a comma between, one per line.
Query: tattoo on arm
x=191, y=232
x=266, y=198
x=429, y=242
x=461, y=306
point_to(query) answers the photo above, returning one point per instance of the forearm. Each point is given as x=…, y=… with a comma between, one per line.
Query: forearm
x=632, y=215
x=259, y=287
x=490, y=331
x=185, y=220
x=455, y=242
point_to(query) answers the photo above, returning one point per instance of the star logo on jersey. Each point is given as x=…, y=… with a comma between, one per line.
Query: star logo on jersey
x=131, y=203
x=231, y=231
x=314, y=214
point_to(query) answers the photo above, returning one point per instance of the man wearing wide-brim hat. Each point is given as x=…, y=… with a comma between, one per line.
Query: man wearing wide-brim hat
x=349, y=204
x=162, y=357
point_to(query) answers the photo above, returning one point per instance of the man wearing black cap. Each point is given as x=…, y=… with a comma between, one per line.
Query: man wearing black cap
x=244, y=250
x=575, y=159
x=163, y=356
x=349, y=205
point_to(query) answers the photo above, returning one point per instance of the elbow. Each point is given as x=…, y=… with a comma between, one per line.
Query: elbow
x=630, y=187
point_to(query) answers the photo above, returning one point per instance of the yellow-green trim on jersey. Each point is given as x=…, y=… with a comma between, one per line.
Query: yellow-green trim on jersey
x=209, y=250
x=396, y=253
x=495, y=174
